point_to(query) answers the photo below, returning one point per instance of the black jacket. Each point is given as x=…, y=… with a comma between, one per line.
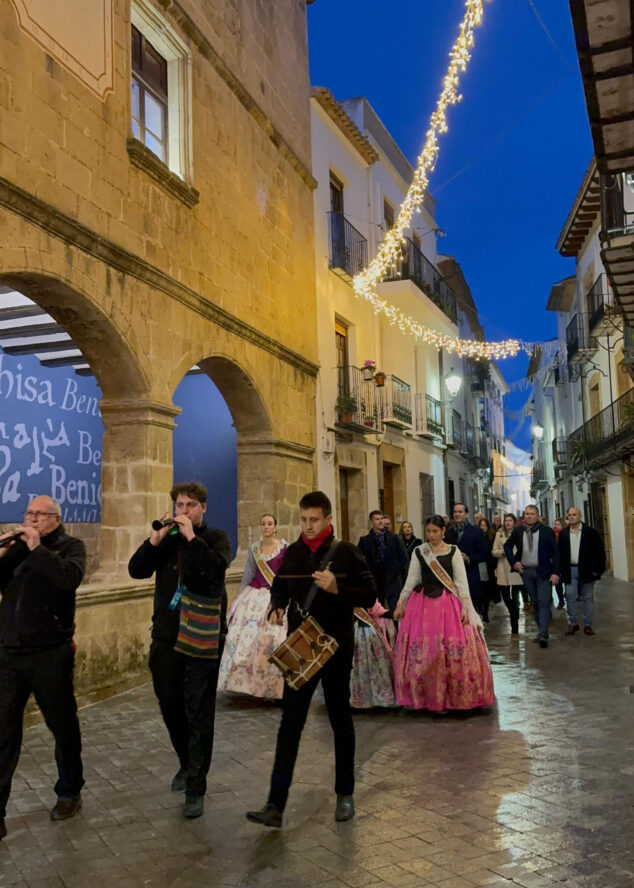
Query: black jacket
x=37, y=609
x=591, y=555
x=475, y=545
x=203, y=563
x=334, y=613
x=547, y=550
x=390, y=575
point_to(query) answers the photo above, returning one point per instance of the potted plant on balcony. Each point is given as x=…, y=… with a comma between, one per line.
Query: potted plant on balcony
x=368, y=370
x=379, y=378
x=345, y=406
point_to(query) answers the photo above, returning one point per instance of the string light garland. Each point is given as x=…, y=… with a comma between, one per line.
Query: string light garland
x=390, y=251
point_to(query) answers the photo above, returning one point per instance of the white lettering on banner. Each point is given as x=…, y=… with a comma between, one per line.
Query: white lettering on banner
x=86, y=404
x=86, y=454
x=25, y=389
x=77, y=493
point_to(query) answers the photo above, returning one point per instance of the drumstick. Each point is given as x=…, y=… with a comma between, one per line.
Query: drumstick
x=304, y=576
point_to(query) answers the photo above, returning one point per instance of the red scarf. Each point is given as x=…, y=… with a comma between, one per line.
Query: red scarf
x=314, y=544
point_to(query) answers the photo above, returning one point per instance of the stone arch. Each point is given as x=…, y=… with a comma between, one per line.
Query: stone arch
x=116, y=366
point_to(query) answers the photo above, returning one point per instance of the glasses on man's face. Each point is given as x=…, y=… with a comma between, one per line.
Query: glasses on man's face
x=36, y=515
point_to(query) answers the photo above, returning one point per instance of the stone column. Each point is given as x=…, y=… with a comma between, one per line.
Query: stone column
x=273, y=475
x=136, y=477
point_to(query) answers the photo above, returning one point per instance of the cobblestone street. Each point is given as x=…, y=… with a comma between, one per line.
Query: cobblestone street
x=537, y=793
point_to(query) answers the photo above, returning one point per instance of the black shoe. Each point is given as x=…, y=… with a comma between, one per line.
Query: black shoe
x=588, y=630
x=66, y=808
x=543, y=643
x=3, y=829
x=269, y=815
x=572, y=629
x=560, y=606
x=345, y=808
x=194, y=806
x=179, y=781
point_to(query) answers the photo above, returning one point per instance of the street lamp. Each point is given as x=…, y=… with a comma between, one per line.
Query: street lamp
x=538, y=431
x=453, y=381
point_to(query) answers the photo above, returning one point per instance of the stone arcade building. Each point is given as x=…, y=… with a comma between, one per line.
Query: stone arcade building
x=156, y=201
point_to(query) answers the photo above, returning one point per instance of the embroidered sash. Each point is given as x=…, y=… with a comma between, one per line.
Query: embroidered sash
x=364, y=617
x=262, y=564
x=437, y=569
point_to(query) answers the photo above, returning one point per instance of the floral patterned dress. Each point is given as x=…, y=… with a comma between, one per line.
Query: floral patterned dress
x=439, y=663
x=251, y=639
x=371, y=678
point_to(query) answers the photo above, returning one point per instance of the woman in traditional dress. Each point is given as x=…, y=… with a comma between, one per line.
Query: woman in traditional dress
x=408, y=538
x=251, y=639
x=441, y=661
x=371, y=680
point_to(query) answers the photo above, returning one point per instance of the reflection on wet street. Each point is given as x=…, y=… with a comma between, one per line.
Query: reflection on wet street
x=537, y=793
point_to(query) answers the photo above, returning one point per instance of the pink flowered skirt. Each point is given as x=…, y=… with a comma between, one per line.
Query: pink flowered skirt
x=439, y=663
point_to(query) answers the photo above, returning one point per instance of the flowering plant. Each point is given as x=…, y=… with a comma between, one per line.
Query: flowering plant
x=370, y=364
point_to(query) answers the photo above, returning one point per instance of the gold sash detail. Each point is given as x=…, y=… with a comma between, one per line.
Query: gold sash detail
x=437, y=569
x=262, y=564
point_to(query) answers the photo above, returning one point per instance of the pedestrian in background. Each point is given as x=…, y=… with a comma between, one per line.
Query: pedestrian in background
x=487, y=570
x=508, y=581
x=386, y=558
x=559, y=588
x=532, y=552
x=582, y=558
x=409, y=538
x=474, y=548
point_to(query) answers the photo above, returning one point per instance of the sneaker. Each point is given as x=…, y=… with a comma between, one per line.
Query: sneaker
x=179, y=781
x=193, y=807
x=572, y=629
x=345, y=808
x=543, y=643
x=269, y=815
x=588, y=630
x=3, y=829
x=66, y=808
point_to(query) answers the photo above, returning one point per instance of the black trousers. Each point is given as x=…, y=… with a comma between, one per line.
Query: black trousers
x=335, y=680
x=48, y=675
x=511, y=598
x=186, y=691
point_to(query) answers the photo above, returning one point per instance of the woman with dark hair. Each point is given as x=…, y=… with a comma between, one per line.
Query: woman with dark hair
x=408, y=538
x=559, y=588
x=251, y=639
x=509, y=581
x=487, y=571
x=441, y=660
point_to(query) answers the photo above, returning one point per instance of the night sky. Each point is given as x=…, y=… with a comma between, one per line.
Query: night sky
x=517, y=147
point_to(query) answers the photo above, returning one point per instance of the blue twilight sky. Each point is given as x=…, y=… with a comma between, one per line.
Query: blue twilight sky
x=517, y=147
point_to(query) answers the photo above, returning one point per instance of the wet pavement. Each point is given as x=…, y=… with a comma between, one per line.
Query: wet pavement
x=537, y=793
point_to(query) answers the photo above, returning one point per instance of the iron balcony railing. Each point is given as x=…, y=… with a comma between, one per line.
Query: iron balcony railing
x=600, y=301
x=578, y=340
x=348, y=247
x=540, y=478
x=416, y=267
x=428, y=415
x=453, y=429
x=560, y=373
x=482, y=448
x=360, y=395
x=617, y=204
x=559, y=451
x=395, y=399
x=607, y=436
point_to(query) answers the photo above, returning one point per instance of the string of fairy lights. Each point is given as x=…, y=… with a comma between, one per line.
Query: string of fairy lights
x=390, y=251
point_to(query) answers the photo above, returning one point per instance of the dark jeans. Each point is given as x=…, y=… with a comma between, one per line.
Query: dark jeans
x=511, y=598
x=186, y=691
x=48, y=675
x=541, y=598
x=335, y=679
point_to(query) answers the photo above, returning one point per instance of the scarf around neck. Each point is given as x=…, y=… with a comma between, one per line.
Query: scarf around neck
x=314, y=544
x=531, y=531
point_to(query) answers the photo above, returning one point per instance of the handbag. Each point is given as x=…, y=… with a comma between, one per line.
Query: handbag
x=303, y=653
x=199, y=622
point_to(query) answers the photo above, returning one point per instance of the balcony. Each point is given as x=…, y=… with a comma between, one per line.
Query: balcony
x=559, y=451
x=608, y=436
x=579, y=344
x=348, y=247
x=428, y=417
x=560, y=374
x=395, y=400
x=503, y=494
x=482, y=449
x=617, y=237
x=453, y=429
x=600, y=302
x=477, y=372
x=364, y=415
x=540, y=478
x=416, y=267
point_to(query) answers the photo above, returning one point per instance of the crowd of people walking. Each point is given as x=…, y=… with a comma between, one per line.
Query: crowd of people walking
x=395, y=621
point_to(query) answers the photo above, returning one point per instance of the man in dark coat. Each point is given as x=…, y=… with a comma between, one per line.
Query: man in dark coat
x=475, y=550
x=582, y=563
x=342, y=585
x=191, y=555
x=532, y=551
x=39, y=575
x=387, y=559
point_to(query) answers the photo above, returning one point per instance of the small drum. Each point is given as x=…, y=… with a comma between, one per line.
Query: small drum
x=303, y=653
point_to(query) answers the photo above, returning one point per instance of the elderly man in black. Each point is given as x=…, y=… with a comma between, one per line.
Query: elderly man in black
x=40, y=570
x=344, y=584
x=185, y=555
